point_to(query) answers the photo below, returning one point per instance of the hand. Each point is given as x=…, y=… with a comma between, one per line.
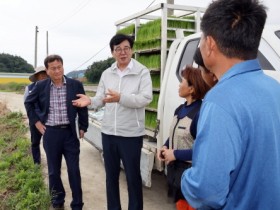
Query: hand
x=112, y=96
x=81, y=134
x=169, y=155
x=82, y=101
x=160, y=155
x=41, y=127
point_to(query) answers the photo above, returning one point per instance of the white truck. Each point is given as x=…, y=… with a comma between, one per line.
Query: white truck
x=171, y=59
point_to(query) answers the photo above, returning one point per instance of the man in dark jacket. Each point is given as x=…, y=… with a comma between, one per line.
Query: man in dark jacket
x=58, y=126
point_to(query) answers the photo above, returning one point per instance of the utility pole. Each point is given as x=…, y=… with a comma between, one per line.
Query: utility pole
x=35, y=59
x=47, y=36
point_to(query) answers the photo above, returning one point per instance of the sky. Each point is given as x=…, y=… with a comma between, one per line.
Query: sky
x=78, y=30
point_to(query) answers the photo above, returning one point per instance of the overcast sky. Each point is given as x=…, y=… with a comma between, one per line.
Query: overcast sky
x=78, y=29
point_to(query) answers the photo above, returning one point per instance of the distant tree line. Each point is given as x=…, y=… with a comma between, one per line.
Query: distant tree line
x=93, y=72
x=14, y=64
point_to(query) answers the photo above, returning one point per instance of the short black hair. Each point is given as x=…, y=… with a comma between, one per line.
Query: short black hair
x=119, y=38
x=52, y=58
x=236, y=26
x=198, y=58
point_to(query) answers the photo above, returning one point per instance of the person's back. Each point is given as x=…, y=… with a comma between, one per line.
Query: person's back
x=28, y=89
x=236, y=161
x=255, y=172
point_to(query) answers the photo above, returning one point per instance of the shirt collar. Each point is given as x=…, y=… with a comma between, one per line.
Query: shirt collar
x=241, y=68
x=129, y=66
x=64, y=82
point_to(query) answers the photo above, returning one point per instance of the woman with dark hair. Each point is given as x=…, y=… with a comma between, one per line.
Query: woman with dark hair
x=177, y=149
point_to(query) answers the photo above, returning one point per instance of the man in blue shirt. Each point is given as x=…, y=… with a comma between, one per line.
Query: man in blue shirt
x=236, y=155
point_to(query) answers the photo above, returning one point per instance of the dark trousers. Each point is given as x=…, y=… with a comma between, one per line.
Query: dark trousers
x=35, y=144
x=127, y=149
x=58, y=142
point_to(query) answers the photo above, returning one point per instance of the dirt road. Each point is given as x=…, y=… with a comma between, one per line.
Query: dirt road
x=93, y=174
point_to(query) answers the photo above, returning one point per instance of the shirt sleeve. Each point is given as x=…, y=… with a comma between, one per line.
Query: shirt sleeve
x=97, y=100
x=183, y=154
x=216, y=152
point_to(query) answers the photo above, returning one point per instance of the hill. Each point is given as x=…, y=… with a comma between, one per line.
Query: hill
x=76, y=74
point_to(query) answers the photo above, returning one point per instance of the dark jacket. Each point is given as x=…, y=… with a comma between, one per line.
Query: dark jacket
x=28, y=90
x=40, y=94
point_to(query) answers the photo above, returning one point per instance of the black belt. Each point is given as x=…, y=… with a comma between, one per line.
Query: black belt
x=59, y=126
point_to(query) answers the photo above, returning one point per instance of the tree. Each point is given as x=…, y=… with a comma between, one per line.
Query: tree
x=93, y=72
x=14, y=64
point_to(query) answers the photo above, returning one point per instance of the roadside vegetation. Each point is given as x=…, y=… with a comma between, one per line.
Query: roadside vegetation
x=22, y=185
x=20, y=87
x=13, y=87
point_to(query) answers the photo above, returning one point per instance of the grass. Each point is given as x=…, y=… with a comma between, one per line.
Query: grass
x=22, y=184
x=90, y=93
x=13, y=87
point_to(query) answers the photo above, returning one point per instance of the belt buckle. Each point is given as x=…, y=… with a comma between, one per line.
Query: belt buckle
x=64, y=126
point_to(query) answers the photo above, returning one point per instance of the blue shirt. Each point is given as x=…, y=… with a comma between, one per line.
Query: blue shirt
x=236, y=155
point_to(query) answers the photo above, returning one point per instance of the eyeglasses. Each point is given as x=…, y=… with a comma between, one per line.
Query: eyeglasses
x=53, y=68
x=120, y=50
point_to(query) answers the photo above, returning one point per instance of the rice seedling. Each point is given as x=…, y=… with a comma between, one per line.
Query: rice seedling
x=150, y=61
x=129, y=30
x=154, y=102
x=150, y=119
x=155, y=80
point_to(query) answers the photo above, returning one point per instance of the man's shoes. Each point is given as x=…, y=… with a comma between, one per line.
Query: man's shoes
x=57, y=207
